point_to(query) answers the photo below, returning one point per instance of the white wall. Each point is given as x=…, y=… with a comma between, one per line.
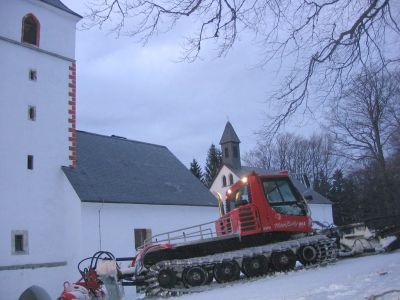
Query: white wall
x=57, y=28
x=52, y=216
x=118, y=222
x=32, y=197
x=217, y=188
x=40, y=201
x=321, y=213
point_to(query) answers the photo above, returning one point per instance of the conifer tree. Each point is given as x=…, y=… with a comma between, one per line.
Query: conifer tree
x=213, y=164
x=337, y=195
x=321, y=184
x=196, y=169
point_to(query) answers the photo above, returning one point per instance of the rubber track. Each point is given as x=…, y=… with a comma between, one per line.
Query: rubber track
x=326, y=250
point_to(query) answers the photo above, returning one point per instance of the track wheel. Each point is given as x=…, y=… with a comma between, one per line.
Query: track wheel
x=226, y=271
x=307, y=255
x=167, y=278
x=195, y=276
x=255, y=266
x=283, y=261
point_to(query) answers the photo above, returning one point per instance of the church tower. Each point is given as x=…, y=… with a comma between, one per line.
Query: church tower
x=230, y=147
x=37, y=117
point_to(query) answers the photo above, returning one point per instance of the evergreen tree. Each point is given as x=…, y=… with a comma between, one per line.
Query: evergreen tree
x=337, y=195
x=353, y=204
x=321, y=184
x=196, y=169
x=348, y=197
x=213, y=164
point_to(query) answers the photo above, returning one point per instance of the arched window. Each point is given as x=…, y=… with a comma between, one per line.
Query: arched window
x=230, y=179
x=223, y=180
x=226, y=152
x=235, y=152
x=30, y=30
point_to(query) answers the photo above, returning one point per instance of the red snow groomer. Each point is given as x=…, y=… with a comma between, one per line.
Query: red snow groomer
x=265, y=226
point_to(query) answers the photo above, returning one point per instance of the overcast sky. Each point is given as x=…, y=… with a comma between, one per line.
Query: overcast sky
x=142, y=93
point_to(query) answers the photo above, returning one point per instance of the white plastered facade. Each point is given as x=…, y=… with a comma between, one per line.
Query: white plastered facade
x=111, y=226
x=39, y=202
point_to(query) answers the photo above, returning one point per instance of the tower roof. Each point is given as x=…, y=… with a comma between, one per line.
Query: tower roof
x=229, y=135
x=60, y=5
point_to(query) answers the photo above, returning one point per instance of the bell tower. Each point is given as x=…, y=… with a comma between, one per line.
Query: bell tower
x=37, y=111
x=230, y=147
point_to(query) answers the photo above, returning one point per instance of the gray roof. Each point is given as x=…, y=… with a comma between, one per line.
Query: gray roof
x=245, y=170
x=117, y=170
x=229, y=135
x=317, y=198
x=60, y=5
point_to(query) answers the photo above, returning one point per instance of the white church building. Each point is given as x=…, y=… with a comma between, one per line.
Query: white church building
x=64, y=193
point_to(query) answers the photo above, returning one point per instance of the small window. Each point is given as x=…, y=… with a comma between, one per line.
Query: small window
x=32, y=75
x=224, y=180
x=30, y=30
x=235, y=152
x=30, y=162
x=230, y=179
x=141, y=235
x=32, y=113
x=226, y=152
x=19, y=242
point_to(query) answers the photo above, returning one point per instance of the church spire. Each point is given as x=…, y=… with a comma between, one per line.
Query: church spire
x=230, y=147
x=229, y=134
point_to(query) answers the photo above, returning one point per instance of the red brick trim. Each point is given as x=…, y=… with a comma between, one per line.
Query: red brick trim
x=72, y=115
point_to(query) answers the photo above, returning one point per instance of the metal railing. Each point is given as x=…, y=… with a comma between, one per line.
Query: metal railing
x=193, y=233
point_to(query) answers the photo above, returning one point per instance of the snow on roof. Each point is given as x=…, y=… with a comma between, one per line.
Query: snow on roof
x=117, y=170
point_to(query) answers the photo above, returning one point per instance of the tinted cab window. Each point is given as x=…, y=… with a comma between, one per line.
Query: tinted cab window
x=283, y=198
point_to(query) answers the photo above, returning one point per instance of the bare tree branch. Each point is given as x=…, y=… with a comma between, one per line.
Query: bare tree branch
x=363, y=121
x=312, y=156
x=328, y=41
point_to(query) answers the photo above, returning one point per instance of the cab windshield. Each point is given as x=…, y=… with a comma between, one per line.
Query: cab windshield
x=283, y=198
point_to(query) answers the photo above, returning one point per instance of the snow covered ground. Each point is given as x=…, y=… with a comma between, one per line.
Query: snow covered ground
x=353, y=278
